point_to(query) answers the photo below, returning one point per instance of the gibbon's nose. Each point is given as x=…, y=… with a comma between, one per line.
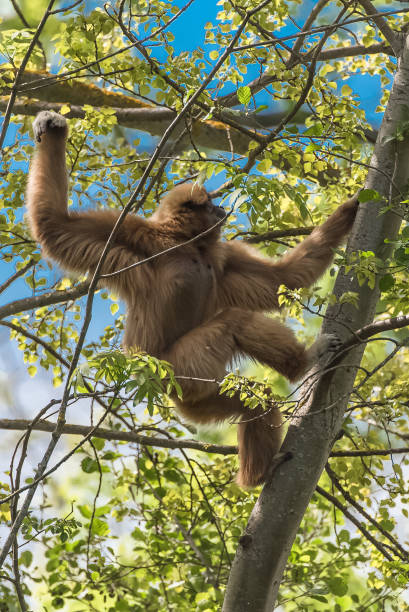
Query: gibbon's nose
x=220, y=212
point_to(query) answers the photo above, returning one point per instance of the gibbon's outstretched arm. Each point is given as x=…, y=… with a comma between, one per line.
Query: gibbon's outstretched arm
x=304, y=264
x=75, y=240
x=251, y=281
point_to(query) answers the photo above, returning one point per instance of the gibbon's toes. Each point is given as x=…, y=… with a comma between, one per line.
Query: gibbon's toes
x=47, y=120
x=324, y=345
x=330, y=344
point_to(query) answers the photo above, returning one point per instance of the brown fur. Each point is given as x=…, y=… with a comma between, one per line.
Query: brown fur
x=199, y=306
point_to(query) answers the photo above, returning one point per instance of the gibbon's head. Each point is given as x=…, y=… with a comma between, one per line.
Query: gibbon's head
x=189, y=208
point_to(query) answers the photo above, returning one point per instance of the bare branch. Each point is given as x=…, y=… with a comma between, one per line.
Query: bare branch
x=17, y=275
x=20, y=72
x=274, y=234
x=354, y=50
x=208, y=134
x=37, y=340
x=316, y=9
x=380, y=326
x=399, y=550
x=46, y=299
x=383, y=26
x=119, y=436
x=355, y=521
x=372, y=452
x=130, y=436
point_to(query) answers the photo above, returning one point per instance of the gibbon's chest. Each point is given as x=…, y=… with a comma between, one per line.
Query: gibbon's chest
x=191, y=277
x=180, y=295
x=189, y=283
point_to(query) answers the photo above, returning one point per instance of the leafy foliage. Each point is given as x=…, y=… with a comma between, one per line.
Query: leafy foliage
x=137, y=526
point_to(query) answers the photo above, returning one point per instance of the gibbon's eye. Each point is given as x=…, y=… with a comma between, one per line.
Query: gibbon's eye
x=190, y=204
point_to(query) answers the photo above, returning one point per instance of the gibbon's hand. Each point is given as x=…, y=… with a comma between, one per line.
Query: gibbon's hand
x=46, y=121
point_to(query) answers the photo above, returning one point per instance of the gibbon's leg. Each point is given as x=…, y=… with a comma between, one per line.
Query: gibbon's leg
x=205, y=352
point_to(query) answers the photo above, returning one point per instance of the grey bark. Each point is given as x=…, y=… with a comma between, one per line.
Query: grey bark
x=263, y=551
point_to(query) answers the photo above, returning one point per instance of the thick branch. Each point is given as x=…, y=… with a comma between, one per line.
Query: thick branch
x=131, y=436
x=50, y=88
x=380, y=326
x=126, y=436
x=274, y=234
x=46, y=299
x=206, y=134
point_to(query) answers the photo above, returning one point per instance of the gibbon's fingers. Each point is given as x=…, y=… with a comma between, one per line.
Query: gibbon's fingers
x=48, y=120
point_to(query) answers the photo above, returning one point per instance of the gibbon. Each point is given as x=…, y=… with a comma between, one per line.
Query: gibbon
x=198, y=306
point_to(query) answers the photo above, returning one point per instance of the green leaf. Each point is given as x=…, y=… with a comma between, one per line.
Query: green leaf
x=244, y=95
x=338, y=586
x=26, y=558
x=98, y=443
x=99, y=527
x=89, y=465
x=367, y=195
x=386, y=282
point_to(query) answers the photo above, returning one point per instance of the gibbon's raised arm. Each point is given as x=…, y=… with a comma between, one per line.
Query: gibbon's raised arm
x=251, y=281
x=304, y=264
x=75, y=240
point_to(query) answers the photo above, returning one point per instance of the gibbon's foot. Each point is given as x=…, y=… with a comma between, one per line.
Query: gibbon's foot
x=280, y=458
x=322, y=347
x=47, y=120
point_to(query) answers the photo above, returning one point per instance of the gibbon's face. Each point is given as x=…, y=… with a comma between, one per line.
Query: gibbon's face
x=189, y=209
x=203, y=214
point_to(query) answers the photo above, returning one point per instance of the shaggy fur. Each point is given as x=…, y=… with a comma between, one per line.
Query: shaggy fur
x=198, y=306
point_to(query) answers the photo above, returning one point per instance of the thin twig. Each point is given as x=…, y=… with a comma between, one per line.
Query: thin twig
x=383, y=25
x=37, y=340
x=355, y=521
x=20, y=72
x=319, y=29
x=17, y=275
x=27, y=25
x=400, y=551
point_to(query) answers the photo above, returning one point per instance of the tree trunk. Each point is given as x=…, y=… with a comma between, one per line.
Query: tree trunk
x=262, y=554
